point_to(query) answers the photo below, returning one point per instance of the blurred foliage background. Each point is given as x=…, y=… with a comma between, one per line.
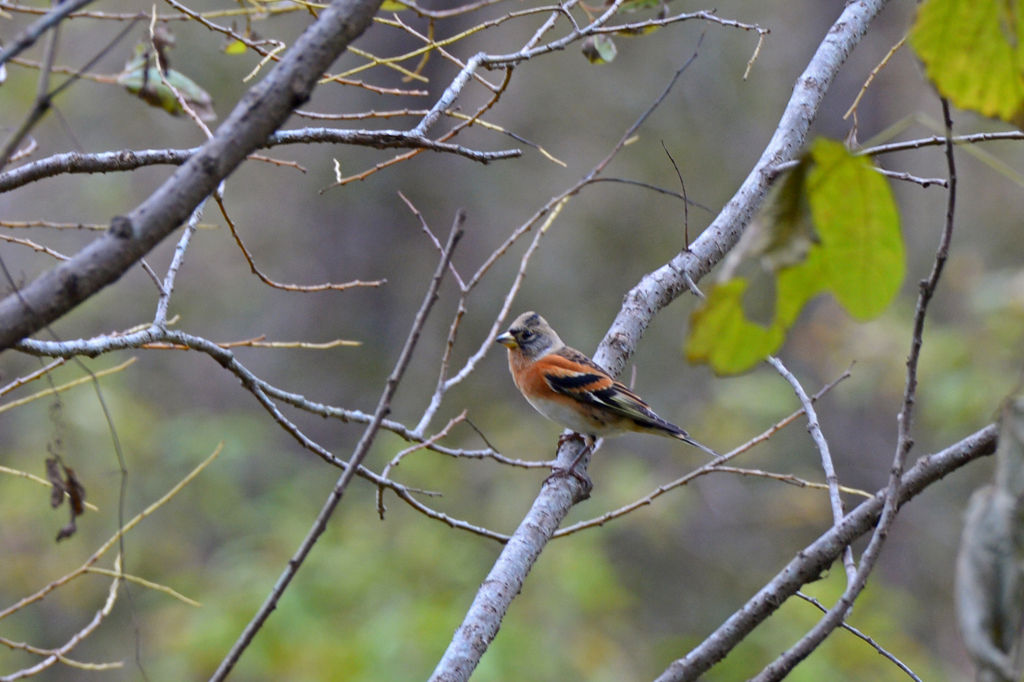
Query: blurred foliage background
x=380, y=600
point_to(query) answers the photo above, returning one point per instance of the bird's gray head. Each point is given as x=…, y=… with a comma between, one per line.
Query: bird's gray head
x=531, y=335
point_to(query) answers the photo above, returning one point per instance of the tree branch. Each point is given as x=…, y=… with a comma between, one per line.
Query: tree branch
x=263, y=109
x=819, y=555
x=361, y=450
x=654, y=292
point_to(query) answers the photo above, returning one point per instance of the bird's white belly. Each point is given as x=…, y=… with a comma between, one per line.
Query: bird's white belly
x=577, y=421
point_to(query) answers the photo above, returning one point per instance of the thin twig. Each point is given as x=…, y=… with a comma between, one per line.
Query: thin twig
x=814, y=428
x=54, y=390
x=41, y=481
x=32, y=376
x=791, y=479
x=397, y=459
x=167, y=287
x=907, y=177
x=152, y=275
x=871, y=77
x=360, y=452
x=219, y=198
x=35, y=247
x=846, y=626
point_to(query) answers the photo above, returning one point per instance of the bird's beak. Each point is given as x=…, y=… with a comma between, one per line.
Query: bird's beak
x=507, y=340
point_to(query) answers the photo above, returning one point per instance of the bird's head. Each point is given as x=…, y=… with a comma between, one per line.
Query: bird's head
x=531, y=335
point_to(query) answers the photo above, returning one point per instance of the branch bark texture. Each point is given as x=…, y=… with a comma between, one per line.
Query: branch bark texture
x=263, y=109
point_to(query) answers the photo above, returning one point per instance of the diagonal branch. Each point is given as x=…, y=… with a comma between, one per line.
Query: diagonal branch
x=814, y=428
x=263, y=109
x=810, y=562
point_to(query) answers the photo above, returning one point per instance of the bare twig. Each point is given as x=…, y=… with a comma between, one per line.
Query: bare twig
x=397, y=459
x=42, y=481
x=219, y=198
x=21, y=381
x=871, y=77
x=846, y=626
x=907, y=177
x=826, y=458
x=362, y=448
x=790, y=479
x=35, y=247
x=54, y=390
x=167, y=287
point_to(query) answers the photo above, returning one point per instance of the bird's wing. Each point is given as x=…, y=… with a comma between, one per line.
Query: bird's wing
x=573, y=374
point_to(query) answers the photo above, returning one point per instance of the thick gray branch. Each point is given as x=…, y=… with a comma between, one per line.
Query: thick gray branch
x=263, y=109
x=814, y=559
x=659, y=288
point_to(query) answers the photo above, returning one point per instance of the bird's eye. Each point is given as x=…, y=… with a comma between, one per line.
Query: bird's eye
x=527, y=335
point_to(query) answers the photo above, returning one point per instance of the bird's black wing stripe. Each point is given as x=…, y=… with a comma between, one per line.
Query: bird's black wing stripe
x=572, y=383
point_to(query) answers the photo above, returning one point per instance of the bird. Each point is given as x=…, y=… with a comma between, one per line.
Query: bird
x=572, y=390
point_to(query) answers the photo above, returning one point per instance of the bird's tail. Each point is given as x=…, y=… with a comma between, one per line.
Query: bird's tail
x=686, y=439
x=646, y=421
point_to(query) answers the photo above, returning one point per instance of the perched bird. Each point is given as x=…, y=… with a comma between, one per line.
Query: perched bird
x=570, y=389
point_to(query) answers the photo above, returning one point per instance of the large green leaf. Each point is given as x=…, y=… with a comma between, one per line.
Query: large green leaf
x=972, y=52
x=795, y=286
x=856, y=219
x=830, y=225
x=722, y=336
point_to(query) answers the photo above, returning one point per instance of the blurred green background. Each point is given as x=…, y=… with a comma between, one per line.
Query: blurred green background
x=380, y=600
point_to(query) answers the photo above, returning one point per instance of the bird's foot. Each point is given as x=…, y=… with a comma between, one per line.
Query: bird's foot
x=586, y=485
x=566, y=437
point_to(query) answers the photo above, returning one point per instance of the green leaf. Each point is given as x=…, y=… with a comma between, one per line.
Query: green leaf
x=721, y=335
x=972, y=52
x=855, y=217
x=599, y=49
x=795, y=286
x=831, y=225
